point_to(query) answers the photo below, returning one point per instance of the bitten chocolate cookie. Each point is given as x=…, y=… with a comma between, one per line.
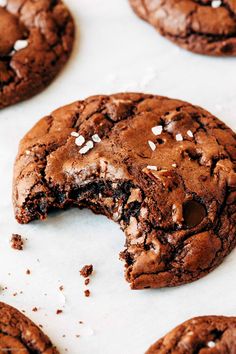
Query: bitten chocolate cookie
x=201, y=26
x=207, y=334
x=20, y=335
x=35, y=42
x=163, y=169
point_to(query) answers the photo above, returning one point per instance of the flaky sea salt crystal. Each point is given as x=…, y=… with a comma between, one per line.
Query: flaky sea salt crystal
x=153, y=168
x=75, y=134
x=179, y=137
x=211, y=344
x=152, y=145
x=20, y=44
x=190, y=133
x=88, y=146
x=79, y=141
x=216, y=3
x=157, y=130
x=96, y=138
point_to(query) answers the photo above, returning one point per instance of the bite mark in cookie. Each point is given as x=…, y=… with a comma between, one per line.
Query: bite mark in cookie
x=201, y=26
x=176, y=203
x=36, y=41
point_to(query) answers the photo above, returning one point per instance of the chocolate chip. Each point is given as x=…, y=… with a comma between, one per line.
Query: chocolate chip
x=193, y=212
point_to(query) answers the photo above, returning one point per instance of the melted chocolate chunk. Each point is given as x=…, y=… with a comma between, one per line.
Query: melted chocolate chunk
x=194, y=212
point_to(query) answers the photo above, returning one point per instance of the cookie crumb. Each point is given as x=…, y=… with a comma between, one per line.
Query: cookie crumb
x=28, y=272
x=61, y=288
x=86, y=282
x=87, y=293
x=17, y=242
x=35, y=309
x=58, y=312
x=86, y=271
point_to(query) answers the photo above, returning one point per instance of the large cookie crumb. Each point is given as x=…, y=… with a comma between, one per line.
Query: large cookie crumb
x=86, y=271
x=17, y=242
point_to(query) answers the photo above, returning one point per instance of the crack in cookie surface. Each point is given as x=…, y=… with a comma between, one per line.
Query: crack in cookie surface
x=36, y=41
x=198, y=26
x=20, y=335
x=163, y=169
x=206, y=334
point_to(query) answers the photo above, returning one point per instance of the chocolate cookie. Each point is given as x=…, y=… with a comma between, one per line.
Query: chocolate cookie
x=35, y=42
x=163, y=169
x=207, y=334
x=201, y=26
x=20, y=335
